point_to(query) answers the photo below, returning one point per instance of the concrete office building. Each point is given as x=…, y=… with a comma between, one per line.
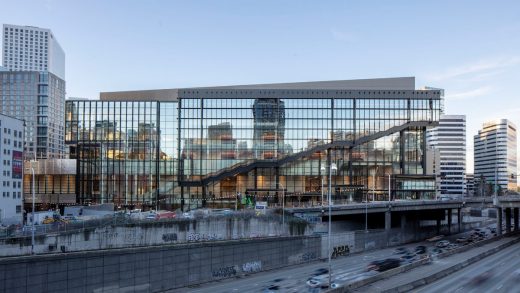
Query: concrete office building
x=11, y=170
x=32, y=87
x=186, y=148
x=39, y=99
x=495, y=154
x=449, y=140
x=28, y=48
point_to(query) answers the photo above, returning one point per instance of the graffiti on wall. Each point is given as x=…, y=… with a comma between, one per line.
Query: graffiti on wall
x=169, y=237
x=302, y=257
x=341, y=250
x=194, y=237
x=252, y=267
x=225, y=272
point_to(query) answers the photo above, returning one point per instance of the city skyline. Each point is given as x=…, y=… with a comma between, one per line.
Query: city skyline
x=474, y=59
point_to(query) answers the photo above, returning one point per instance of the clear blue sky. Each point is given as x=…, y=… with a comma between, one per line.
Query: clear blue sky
x=470, y=48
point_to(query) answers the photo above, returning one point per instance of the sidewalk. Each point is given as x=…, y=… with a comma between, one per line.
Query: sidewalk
x=438, y=268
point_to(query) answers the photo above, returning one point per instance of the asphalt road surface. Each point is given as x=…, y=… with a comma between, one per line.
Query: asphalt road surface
x=345, y=270
x=499, y=272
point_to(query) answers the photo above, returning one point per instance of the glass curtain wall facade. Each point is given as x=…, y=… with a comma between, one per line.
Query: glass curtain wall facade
x=218, y=143
x=125, y=151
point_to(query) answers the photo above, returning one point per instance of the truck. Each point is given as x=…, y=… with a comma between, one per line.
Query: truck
x=41, y=217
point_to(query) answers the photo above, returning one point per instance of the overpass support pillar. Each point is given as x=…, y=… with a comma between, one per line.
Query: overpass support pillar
x=438, y=226
x=403, y=222
x=388, y=220
x=449, y=220
x=515, y=218
x=499, y=221
x=508, y=220
x=459, y=220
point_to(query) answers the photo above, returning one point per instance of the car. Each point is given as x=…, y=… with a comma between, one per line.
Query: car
x=437, y=250
x=436, y=238
x=421, y=249
x=384, y=265
x=452, y=246
x=409, y=257
x=462, y=240
x=318, y=282
x=481, y=278
x=401, y=250
x=321, y=271
x=442, y=243
x=151, y=216
x=374, y=265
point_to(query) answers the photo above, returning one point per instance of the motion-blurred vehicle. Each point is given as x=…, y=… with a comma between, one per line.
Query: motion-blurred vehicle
x=436, y=251
x=442, y=244
x=320, y=282
x=462, y=240
x=436, y=238
x=409, y=257
x=452, y=246
x=481, y=278
x=401, y=250
x=384, y=265
x=321, y=271
x=421, y=249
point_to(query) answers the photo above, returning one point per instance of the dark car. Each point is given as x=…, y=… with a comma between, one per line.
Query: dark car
x=401, y=250
x=384, y=265
x=421, y=249
x=409, y=257
x=321, y=271
x=437, y=250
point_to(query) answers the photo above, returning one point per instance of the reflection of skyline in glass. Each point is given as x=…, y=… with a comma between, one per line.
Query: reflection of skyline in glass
x=268, y=128
x=212, y=136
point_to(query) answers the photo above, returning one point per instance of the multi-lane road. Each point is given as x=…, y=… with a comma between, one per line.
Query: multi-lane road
x=499, y=272
x=293, y=279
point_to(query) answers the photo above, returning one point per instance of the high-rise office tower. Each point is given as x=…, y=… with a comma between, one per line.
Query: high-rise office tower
x=28, y=48
x=449, y=140
x=495, y=154
x=32, y=88
x=39, y=99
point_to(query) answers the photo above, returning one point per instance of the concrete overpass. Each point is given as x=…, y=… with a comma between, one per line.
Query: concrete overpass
x=508, y=205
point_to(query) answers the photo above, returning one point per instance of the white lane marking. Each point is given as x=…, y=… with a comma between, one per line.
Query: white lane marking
x=500, y=286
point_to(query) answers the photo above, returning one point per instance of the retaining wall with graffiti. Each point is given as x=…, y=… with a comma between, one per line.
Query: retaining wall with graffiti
x=153, y=269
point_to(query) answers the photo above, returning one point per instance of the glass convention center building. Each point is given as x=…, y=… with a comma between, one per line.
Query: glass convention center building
x=201, y=147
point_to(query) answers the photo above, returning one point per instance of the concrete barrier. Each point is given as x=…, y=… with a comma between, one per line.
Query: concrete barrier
x=153, y=269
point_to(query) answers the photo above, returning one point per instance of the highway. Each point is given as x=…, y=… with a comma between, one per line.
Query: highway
x=293, y=279
x=499, y=272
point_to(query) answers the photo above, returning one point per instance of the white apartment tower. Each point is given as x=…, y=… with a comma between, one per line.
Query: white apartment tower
x=495, y=154
x=11, y=170
x=449, y=141
x=28, y=48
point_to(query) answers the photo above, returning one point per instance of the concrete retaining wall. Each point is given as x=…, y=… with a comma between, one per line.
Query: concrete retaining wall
x=152, y=269
x=359, y=241
x=155, y=233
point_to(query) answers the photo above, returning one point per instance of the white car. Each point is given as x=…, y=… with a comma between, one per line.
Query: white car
x=321, y=282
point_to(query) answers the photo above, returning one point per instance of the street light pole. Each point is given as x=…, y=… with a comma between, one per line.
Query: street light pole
x=322, y=171
x=332, y=167
x=33, y=216
x=389, y=188
x=283, y=205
